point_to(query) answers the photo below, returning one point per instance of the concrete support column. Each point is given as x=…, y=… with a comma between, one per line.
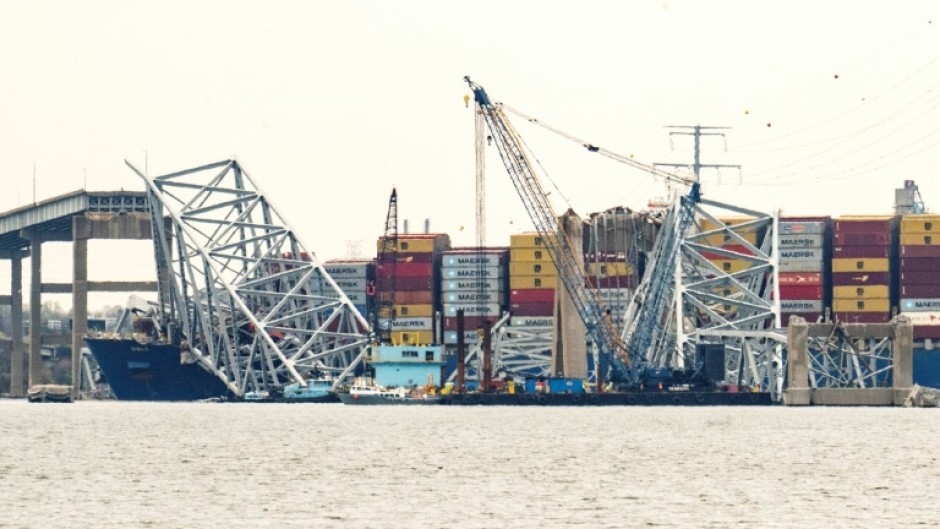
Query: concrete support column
x=903, y=354
x=569, y=354
x=16, y=322
x=79, y=298
x=35, y=310
x=798, y=391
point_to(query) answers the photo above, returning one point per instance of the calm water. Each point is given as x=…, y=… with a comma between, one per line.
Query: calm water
x=110, y=464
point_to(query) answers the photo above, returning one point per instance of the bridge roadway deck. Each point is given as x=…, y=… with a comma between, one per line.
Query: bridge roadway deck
x=73, y=217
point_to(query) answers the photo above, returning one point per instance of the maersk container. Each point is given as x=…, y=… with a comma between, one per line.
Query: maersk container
x=540, y=255
x=469, y=337
x=486, y=285
x=810, y=317
x=409, y=311
x=862, y=292
x=531, y=321
x=405, y=257
x=867, y=252
x=473, y=297
x=860, y=278
x=488, y=272
x=357, y=298
x=488, y=309
x=801, y=241
x=804, y=267
x=801, y=254
x=613, y=293
x=801, y=305
x=466, y=258
x=407, y=324
x=920, y=305
x=413, y=297
x=348, y=284
x=350, y=270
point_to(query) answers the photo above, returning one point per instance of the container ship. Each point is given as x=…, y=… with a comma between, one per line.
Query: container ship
x=861, y=269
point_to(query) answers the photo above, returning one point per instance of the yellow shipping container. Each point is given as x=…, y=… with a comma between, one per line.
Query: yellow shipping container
x=531, y=240
x=920, y=224
x=418, y=243
x=731, y=265
x=869, y=292
x=529, y=255
x=853, y=264
x=409, y=311
x=412, y=337
x=920, y=239
x=529, y=268
x=528, y=281
x=609, y=269
x=861, y=305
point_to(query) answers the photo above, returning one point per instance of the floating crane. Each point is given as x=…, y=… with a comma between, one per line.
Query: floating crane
x=564, y=256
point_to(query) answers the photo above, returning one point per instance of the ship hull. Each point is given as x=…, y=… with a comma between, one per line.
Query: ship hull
x=153, y=372
x=376, y=400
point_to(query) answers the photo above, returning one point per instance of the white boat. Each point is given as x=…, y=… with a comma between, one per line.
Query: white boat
x=369, y=394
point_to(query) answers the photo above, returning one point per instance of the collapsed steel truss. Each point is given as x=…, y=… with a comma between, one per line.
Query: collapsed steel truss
x=239, y=289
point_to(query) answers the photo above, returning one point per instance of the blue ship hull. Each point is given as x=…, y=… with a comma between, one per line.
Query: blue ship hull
x=153, y=372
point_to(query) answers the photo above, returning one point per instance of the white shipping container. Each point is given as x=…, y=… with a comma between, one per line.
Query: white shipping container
x=531, y=321
x=800, y=266
x=920, y=305
x=473, y=297
x=801, y=305
x=471, y=260
x=351, y=284
x=407, y=324
x=469, y=337
x=474, y=272
x=801, y=254
x=924, y=318
x=488, y=285
x=471, y=309
x=347, y=270
x=801, y=241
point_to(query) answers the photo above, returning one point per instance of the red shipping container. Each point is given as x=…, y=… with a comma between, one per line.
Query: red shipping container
x=799, y=278
x=862, y=317
x=611, y=282
x=920, y=251
x=926, y=331
x=810, y=317
x=861, y=239
x=470, y=323
x=405, y=283
x=920, y=278
x=922, y=264
x=866, y=252
x=920, y=291
x=882, y=226
x=405, y=270
x=532, y=295
x=533, y=309
x=415, y=297
x=801, y=292
x=406, y=257
x=860, y=278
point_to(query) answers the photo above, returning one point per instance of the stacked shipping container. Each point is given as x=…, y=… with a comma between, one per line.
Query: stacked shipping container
x=357, y=280
x=409, y=277
x=863, y=254
x=532, y=280
x=803, y=267
x=920, y=273
x=473, y=280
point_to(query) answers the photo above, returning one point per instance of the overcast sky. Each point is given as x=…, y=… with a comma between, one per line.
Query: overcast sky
x=329, y=104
